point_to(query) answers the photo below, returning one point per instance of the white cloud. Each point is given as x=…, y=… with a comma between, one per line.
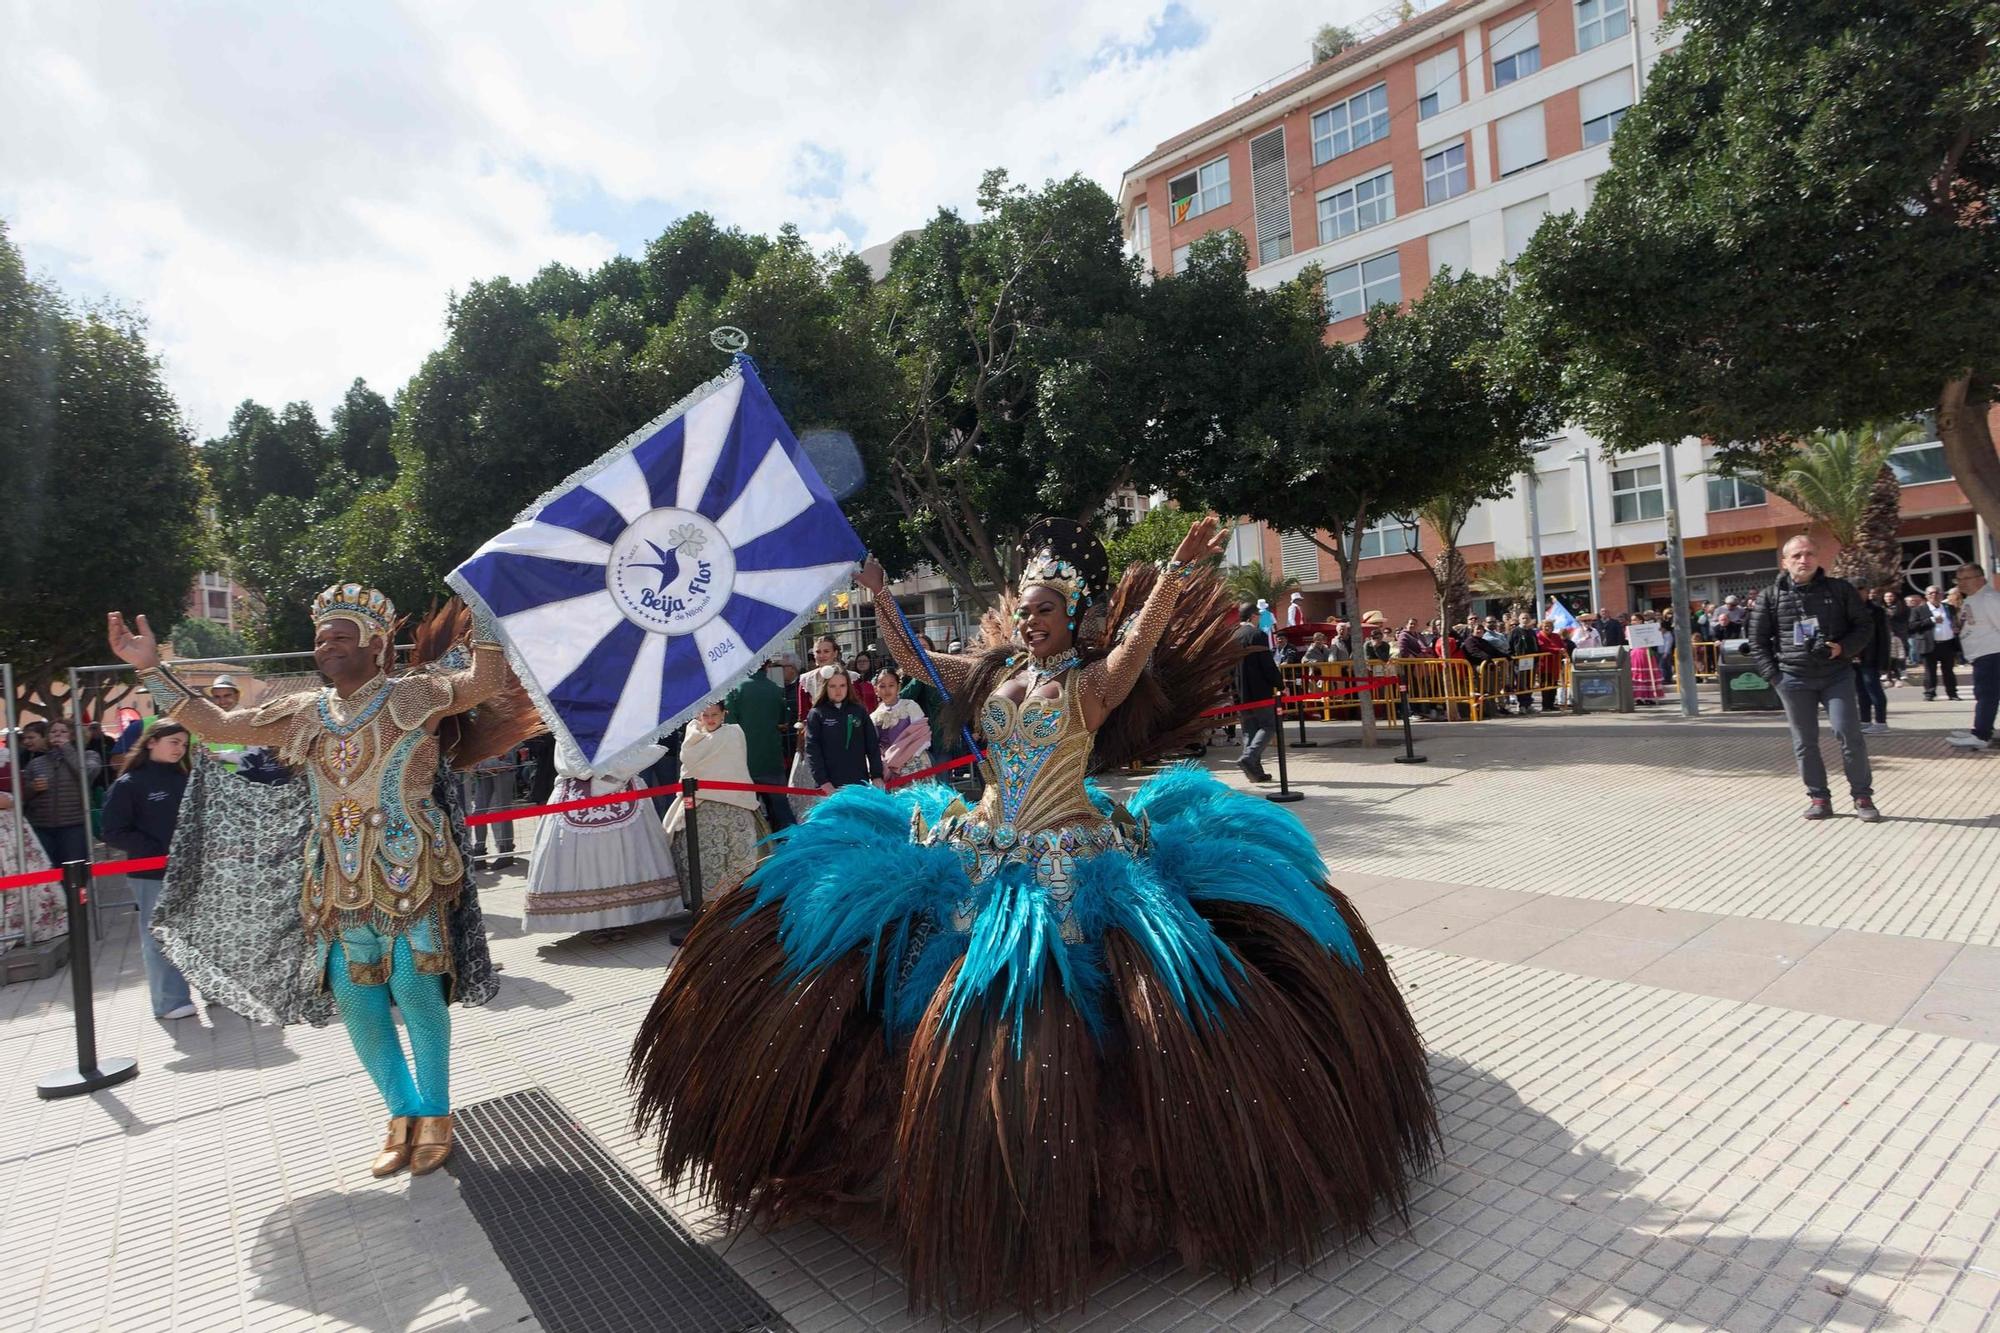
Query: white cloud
x=291, y=192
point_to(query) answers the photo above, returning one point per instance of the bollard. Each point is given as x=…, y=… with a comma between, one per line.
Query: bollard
x=691, y=891
x=1409, y=754
x=1303, y=743
x=90, y=1073
x=1284, y=792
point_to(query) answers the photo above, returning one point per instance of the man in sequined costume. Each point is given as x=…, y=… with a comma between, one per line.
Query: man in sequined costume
x=381, y=863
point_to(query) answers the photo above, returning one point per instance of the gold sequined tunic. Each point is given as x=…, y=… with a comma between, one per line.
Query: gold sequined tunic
x=381, y=852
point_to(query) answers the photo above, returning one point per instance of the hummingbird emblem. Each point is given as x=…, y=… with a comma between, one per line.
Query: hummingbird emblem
x=686, y=538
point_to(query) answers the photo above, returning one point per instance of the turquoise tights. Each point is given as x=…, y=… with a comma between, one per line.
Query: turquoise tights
x=365, y=1011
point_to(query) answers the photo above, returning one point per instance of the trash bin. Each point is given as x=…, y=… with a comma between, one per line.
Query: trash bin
x=1744, y=688
x=1601, y=680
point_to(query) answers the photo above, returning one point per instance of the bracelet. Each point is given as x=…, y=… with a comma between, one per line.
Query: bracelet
x=1177, y=569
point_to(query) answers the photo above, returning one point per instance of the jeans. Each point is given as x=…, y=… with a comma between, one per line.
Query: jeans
x=1802, y=700
x=63, y=843
x=1985, y=694
x=777, y=808
x=483, y=794
x=1938, y=661
x=1258, y=724
x=165, y=985
x=1874, y=699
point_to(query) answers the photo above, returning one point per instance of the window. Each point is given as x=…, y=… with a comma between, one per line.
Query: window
x=1919, y=462
x=1451, y=248
x=1346, y=126
x=1437, y=83
x=1636, y=494
x=1357, y=206
x=1298, y=558
x=1270, y=196
x=1142, y=232
x=1603, y=103
x=1444, y=174
x=1733, y=493
x=1394, y=535
x=1523, y=142
x=216, y=605
x=1520, y=222
x=1180, y=257
x=1204, y=188
x=1351, y=290
x=1517, y=50
x=1598, y=21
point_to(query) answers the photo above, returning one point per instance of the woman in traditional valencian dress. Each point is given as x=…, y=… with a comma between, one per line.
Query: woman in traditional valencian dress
x=603, y=868
x=1051, y=1036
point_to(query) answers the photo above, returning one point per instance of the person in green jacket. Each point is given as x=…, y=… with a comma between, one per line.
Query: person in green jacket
x=763, y=709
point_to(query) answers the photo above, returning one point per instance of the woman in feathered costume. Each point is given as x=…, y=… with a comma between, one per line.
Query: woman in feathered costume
x=1051, y=1036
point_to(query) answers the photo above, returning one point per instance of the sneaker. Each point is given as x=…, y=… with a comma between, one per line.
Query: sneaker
x=1818, y=808
x=1965, y=740
x=1865, y=811
x=182, y=1011
x=1875, y=728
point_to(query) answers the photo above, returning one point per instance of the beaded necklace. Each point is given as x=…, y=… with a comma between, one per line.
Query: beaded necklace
x=1043, y=670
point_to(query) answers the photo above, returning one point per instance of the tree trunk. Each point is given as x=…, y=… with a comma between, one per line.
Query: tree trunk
x=1876, y=555
x=1967, y=437
x=1357, y=655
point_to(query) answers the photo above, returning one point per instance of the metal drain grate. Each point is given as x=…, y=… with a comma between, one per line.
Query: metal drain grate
x=589, y=1246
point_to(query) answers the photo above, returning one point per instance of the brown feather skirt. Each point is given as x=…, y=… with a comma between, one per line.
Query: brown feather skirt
x=1019, y=1163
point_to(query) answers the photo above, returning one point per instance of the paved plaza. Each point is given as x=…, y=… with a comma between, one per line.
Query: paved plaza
x=1701, y=1065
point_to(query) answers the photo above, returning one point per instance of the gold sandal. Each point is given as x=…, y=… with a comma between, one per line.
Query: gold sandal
x=395, y=1154
x=433, y=1144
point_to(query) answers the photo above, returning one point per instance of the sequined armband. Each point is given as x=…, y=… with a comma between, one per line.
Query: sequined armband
x=165, y=687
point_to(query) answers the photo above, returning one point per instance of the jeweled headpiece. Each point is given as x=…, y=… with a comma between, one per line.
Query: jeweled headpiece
x=368, y=610
x=1066, y=557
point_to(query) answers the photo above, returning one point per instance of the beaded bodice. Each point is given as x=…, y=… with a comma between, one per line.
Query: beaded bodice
x=1038, y=753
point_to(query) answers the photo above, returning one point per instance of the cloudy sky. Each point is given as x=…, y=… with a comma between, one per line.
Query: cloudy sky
x=289, y=190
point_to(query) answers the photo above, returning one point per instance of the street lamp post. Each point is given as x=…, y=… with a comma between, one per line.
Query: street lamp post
x=1590, y=523
x=1678, y=574
x=1529, y=478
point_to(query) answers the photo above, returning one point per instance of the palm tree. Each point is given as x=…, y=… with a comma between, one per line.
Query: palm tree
x=1446, y=516
x=1511, y=577
x=1251, y=583
x=1842, y=481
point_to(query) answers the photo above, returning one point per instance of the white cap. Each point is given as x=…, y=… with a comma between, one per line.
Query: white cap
x=1298, y=597
x=1263, y=605
x=225, y=683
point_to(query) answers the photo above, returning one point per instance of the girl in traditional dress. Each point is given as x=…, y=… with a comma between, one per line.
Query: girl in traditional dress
x=1645, y=668
x=712, y=750
x=603, y=868
x=44, y=902
x=1050, y=1037
x=901, y=726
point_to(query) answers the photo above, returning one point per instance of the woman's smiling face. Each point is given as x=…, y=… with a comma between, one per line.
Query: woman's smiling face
x=1043, y=617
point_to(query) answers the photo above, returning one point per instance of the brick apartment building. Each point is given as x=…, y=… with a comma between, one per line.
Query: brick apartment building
x=1444, y=141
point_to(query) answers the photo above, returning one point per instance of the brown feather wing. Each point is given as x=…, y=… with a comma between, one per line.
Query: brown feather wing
x=1190, y=671
x=494, y=727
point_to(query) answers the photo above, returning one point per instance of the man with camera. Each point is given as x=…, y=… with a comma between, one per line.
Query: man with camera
x=1805, y=633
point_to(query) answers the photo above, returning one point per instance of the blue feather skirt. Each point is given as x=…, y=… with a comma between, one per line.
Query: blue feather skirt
x=1181, y=1039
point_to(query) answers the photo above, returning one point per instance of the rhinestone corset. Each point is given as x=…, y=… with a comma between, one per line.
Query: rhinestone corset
x=1037, y=756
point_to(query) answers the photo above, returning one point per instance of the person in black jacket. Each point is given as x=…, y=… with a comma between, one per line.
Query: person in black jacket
x=842, y=747
x=1257, y=681
x=1806, y=633
x=1873, y=660
x=139, y=818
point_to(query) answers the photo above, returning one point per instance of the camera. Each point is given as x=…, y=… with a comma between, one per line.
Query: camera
x=1820, y=648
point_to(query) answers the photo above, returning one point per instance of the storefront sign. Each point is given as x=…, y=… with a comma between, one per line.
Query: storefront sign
x=1722, y=544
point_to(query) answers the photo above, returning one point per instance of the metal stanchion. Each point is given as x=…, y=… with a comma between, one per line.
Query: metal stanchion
x=1409, y=754
x=691, y=891
x=1284, y=792
x=1303, y=743
x=90, y=1073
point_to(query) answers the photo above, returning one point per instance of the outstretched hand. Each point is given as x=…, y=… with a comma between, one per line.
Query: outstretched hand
x=871, y=575
x=1204, y=541
x=141, y=650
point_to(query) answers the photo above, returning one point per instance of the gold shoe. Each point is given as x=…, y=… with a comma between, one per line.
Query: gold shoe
x=433, y=1144
x=395, y=1154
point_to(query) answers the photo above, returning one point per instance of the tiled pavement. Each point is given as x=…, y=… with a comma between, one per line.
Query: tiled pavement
x=1702, y=1066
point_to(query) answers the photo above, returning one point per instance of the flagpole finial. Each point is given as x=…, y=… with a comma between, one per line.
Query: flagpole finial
x=728, y=338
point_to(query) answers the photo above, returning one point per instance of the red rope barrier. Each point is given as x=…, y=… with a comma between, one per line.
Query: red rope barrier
x=1367, y=685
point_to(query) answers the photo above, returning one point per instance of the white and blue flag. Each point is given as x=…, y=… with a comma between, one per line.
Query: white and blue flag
x=653, y=580
x=1560, y=614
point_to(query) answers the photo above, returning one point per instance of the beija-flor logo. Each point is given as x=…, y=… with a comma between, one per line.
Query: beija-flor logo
x=670, y=571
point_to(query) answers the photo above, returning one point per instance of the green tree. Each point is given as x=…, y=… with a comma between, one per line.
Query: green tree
x=1254, y=583
x=84, y=416
x=1459, y=402
x=362, y=427
x=1511, y=577
x=1023, y=374
x=1841, y=480
x=1153, y=538
x=197, y=637
x=1797, y=230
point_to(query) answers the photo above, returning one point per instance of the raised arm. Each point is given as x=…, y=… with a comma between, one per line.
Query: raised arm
x=237, y=726
x=953, y=669
x=422, y=697
x=1107, y=683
